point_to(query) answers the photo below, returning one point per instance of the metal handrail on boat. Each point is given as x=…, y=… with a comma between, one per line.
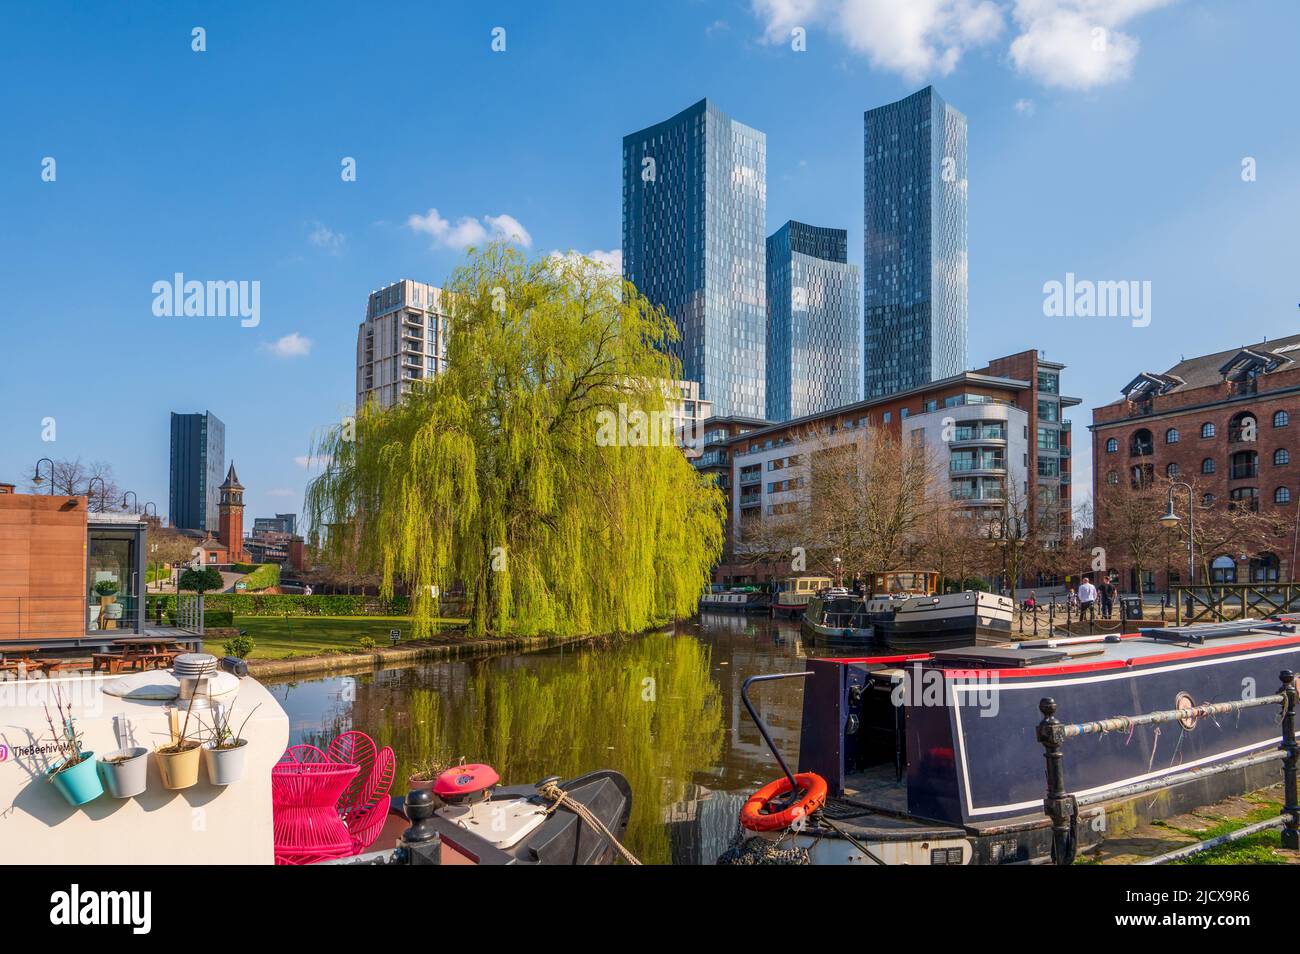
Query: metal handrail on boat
x=762, y=728
x=1062, y=807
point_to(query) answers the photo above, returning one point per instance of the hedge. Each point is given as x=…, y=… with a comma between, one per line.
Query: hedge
x=286, y=604
x=262, y=577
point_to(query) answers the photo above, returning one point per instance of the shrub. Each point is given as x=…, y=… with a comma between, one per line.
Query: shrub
x=209, y=578
x=366, y=642
x=241, y=646
x=217, y=618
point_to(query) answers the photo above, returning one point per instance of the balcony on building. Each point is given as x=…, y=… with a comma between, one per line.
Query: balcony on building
x=972, y=432
x=1244, y=466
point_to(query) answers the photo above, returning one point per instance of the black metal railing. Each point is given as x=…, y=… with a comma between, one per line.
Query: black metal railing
x=1062, y=807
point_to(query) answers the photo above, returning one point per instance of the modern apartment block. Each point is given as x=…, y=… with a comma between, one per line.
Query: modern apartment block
x=813, y=322
x=694, y=210
x=1221, y=423
x=984, y=428
x=914, y=255
x=402, y=340
x=280, y=523
x=689, y=412
x=198, y=453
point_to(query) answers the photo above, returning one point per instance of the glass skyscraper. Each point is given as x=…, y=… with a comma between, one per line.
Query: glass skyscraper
x=198, y=453
x=694, y=209
x=812, y=322
x=914, y=269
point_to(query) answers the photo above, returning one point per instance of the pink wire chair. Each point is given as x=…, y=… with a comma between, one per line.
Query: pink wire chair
x=364, y=806
x=330, y=804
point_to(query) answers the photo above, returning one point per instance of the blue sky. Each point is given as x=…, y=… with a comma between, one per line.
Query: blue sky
x=1123, y=163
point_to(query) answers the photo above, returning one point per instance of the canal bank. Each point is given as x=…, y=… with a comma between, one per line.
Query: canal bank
x=340, y=663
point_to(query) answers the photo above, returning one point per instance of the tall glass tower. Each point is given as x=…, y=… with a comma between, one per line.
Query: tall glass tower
x=198, y=452
x=694, y=209
x=914, y=268
x=812, y=322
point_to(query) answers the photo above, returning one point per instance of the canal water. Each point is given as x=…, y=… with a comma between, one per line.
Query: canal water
x=664, y=709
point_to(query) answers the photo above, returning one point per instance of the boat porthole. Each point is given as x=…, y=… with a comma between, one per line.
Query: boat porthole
x=1184, y=701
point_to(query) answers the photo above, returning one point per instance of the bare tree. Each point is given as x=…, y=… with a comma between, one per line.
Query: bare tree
x=74, y=478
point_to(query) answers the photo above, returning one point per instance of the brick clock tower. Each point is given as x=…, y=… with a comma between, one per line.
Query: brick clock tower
x=231, y=516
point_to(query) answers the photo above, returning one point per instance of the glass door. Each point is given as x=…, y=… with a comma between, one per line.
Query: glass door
x=113, y=597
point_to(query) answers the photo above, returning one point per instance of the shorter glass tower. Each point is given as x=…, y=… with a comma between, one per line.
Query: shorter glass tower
x=813, y=328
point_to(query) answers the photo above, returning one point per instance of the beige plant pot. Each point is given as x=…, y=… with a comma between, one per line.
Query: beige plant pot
x=180, y=769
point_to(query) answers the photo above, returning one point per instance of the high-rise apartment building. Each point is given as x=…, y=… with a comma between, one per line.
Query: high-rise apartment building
x=914, y=255
x=694, y=209
x=402, y=340
x=813, y=325
x=198, y=452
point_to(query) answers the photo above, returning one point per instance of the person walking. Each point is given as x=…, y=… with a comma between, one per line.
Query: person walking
x=1107, y=598
x=1087, y=599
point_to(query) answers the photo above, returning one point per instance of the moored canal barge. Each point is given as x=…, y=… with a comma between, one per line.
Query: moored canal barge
x=933, y=758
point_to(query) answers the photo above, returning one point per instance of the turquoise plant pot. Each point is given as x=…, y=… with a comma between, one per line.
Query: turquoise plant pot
x=79, y=784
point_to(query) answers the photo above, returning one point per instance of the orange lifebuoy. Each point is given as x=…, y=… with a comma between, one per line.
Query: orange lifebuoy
x=811, y=784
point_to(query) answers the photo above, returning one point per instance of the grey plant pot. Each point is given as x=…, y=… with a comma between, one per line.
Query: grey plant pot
x=128, y=778
x=225, y=766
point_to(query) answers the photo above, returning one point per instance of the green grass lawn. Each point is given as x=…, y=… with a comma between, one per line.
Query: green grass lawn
x=279, y=637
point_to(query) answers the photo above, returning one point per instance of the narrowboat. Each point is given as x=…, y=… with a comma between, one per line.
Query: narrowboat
x=934, y=758
x=738, y=599
x=469, y=819
x=904, y=612
x=791, y=595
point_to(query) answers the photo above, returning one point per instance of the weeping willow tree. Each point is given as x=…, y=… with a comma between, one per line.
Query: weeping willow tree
x=527, y=470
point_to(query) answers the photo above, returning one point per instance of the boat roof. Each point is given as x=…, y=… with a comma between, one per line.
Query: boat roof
x=1036, y=657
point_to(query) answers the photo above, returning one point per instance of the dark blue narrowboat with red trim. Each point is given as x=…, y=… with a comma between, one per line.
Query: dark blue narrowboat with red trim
x=933, y=757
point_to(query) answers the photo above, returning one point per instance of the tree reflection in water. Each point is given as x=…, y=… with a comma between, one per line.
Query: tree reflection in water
x=645, y=706
x=683, y=739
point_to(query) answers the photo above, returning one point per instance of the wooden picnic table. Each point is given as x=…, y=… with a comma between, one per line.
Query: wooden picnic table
x=138, y=652
x=15, y=657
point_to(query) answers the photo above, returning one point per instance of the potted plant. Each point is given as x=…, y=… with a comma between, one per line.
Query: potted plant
x=125, y=771
x=178, y=760
x=74, y=775
x=425, y=773
x=224, y=752
x=106, y=589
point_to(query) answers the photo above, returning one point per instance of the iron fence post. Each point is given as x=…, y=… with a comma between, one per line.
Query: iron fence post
x=1059, y=805
x=1291, y=810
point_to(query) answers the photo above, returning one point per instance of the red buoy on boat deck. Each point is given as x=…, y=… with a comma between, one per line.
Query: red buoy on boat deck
x=464, y=781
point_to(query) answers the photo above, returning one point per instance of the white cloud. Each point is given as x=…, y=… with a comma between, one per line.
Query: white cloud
x=916, y=39
x=292, y=345
x=322, y=236
x=1076, y=44
x=611, y=261
x=1026, y=107
x=281, y=492
x=309, y=462
x=469, y=231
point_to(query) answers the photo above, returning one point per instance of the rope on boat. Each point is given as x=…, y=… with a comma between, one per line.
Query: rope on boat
x=559, y=797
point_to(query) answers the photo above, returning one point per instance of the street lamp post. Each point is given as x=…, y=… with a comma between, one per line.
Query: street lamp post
x=147, y=505
x=103, y=490
x=838, y=576
x=1170, y=520
x=131, y=493
x=37, y=479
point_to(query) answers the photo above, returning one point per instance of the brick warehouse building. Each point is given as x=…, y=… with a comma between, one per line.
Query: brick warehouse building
x=1225, y=422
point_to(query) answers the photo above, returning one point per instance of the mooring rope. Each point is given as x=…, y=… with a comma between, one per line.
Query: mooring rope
x=558, y=796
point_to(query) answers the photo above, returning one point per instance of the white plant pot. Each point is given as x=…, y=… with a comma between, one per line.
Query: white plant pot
x=225, y=766
x=127, y=778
